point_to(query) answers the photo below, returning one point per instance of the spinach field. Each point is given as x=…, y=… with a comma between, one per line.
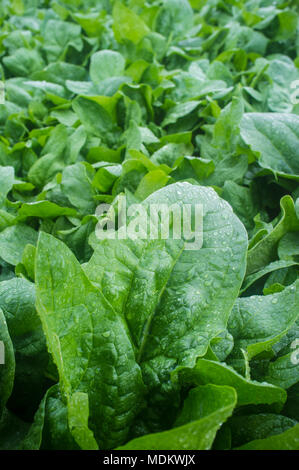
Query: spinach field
x=138, y=342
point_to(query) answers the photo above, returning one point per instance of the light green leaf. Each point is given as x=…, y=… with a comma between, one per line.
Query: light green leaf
x=44, y=210
x=127, y=25
x=78, y=413
x=13, y=241
x=151, y=182
x=248, y=392
x=106, y=64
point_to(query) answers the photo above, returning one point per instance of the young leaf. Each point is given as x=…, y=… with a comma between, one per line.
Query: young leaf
x=89, y=342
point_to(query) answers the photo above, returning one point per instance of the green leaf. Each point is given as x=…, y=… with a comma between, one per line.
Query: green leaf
x=257, y=426
x=150, y=183
x=49, y=429
x=6, y=219
x=59, y=36
x=204, y=411
x=7, y=364
x=97, y=357
x=284, y=371
x=13, y=241
x=127, y=25
x=17, y=300
x=226, y=127
x=106, y=64
x=78, y=413
x=44, y=210
x=272, y=267
x=24, y=62
x=248, y=392
x=288, y=248
x=44, y=169
x=76, y=185
x=256, y=322
x=93, y=116
x=175, y=18
x=242, y=201
x=289, y=440
x=12, y=431
x=264, y=251
x=106, y=176
x=276, y=138
x=179, y=111
x=28, y=260
x=7, y=176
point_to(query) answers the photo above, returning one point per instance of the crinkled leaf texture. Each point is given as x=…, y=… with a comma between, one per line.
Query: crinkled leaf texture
x=88, y=341
x=17, y=301
x=148, y=308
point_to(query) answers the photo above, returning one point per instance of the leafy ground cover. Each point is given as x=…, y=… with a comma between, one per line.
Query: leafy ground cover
x=140, y=344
